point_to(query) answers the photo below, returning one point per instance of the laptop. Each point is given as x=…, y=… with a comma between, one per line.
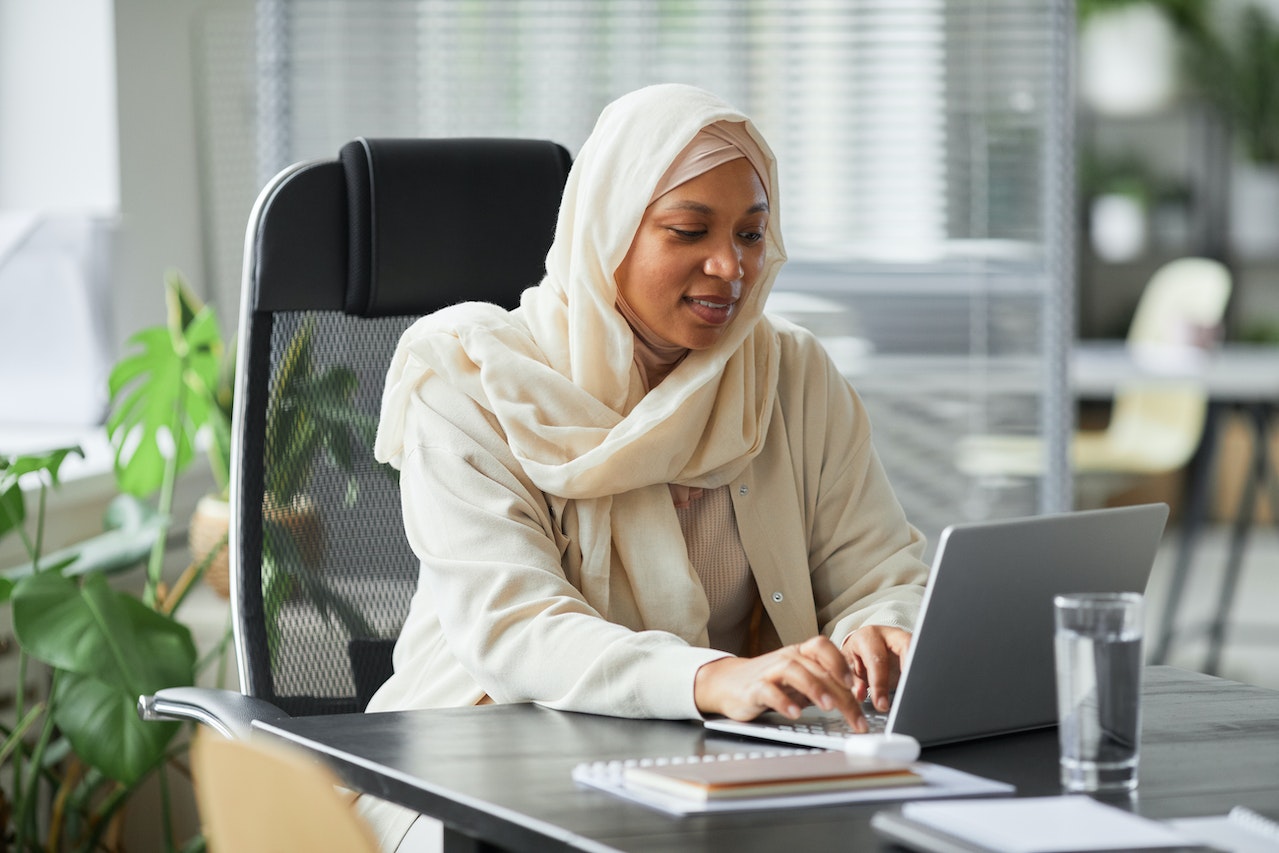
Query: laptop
x=981, y=660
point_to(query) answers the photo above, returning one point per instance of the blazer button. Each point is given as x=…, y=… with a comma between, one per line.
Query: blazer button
x=743, y=490
x=777, y=596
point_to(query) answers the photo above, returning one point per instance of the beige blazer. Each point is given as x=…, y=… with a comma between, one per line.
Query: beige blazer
x=497, y=612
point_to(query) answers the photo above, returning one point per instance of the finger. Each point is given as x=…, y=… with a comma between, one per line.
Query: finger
x=795, y=683
x=880, y=664
x=861, y=683
x=807, y=676
x=772, y=696
x=829, y=657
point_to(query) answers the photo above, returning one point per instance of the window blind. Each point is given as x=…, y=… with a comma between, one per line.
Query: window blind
x=925, y=157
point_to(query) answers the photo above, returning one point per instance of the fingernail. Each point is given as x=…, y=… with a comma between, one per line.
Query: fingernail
x=792, y=711
x=826, y=702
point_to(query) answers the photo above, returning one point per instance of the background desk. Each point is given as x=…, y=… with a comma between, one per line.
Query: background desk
x=1236, y=377
x=501, y=774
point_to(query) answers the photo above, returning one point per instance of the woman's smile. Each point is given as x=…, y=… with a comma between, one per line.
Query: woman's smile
x=713, y=311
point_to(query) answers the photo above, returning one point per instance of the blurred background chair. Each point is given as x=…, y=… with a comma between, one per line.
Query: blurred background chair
x=341, y=257
x=263, y=797
x=1155, y=425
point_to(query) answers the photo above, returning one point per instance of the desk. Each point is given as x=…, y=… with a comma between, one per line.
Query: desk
x=1241, y=377
x=500, y=774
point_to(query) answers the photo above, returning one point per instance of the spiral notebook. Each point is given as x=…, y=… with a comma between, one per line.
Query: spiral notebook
x=927, y=781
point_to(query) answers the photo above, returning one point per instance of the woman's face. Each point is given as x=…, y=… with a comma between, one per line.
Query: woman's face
x=697, y=253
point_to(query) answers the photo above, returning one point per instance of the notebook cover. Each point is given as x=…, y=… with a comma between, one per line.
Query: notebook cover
x=771, y=774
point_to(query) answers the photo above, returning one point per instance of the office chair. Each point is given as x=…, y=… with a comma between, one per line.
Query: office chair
x=341, y=256
x=1154, y=427
x=262, y=797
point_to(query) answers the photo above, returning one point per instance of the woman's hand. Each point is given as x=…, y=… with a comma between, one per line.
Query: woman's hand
x=813, y=672
x=875, y=654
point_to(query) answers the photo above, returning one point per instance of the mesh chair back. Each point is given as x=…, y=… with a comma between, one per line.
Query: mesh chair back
x=341, y=257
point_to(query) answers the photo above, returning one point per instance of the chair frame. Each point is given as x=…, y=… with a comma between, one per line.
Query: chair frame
x=380, y=275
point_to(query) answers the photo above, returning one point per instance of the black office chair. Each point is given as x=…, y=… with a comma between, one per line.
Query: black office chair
x=341, y=256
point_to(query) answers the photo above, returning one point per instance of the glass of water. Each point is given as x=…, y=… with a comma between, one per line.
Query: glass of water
x=1099, y=664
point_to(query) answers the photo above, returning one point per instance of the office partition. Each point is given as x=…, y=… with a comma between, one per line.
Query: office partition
x=926, y=160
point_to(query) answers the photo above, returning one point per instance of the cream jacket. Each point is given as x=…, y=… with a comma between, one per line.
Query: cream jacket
x=495, y=613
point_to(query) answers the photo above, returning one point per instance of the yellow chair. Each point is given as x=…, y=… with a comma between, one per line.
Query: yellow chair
x=261, y=797
x=1155, y=426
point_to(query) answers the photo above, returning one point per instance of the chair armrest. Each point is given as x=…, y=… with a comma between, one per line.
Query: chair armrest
x=229, y=713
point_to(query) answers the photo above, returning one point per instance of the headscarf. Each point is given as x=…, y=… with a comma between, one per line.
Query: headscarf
x=558, y=373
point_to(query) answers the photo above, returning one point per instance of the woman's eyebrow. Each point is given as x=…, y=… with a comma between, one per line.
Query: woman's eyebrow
x=698, y=207
x=695, y=206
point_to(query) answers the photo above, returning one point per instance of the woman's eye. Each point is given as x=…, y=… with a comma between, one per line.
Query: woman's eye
x=752, y=236
x=687, y=235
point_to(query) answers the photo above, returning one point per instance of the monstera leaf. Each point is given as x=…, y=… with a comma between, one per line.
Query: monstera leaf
x=165, y=390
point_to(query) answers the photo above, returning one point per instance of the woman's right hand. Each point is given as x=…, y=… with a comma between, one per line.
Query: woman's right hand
x=813, y=672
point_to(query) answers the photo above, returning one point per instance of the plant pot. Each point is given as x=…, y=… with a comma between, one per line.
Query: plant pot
x=210, y=524
x=1254, y=210
x=300, y=519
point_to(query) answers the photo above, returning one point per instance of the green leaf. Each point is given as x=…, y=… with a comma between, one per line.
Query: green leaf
x=13, y=511
x=94, y=630
x=109, y=648
x=103, y=727
x=6, y=589
x=49, y=462
x=163, y=391
x=132, y=527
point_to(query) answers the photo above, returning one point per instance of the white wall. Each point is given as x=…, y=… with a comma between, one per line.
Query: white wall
x=57, y=93
x=159, y=165
x=98, y=114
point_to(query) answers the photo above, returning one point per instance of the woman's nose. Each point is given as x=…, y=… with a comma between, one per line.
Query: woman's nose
x=725, y=262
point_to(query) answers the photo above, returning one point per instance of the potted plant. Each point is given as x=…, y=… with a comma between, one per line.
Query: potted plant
x=171, y=390
x=311, y=419
x=177, y=385
x=78, y=750
x=1237, y=70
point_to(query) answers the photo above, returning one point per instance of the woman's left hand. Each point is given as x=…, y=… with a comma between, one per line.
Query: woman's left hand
x=875, y=654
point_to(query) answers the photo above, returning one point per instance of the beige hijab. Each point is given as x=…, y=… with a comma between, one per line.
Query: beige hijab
x=559, y=374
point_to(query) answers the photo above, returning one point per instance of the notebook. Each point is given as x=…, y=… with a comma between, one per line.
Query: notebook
x=709, y=778
x=932, y=781
x=981, y=660
x=1027, y=825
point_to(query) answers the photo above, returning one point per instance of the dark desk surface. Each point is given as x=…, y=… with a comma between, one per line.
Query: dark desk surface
x=502, y=773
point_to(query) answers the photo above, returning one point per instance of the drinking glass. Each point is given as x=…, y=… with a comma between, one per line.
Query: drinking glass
x=1098, y=643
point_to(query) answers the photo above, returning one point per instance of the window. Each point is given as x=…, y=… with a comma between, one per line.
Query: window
x=925, y=156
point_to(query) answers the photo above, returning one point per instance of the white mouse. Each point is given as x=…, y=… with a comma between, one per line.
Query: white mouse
x=893, y=747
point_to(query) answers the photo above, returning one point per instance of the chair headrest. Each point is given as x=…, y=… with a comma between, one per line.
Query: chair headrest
x=439, y=221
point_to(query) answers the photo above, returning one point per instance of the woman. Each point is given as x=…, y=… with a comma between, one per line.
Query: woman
x=636, y=495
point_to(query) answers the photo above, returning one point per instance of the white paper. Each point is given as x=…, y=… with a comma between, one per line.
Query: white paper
x=939, y=781
x=1231, y=832
x=1043, y=824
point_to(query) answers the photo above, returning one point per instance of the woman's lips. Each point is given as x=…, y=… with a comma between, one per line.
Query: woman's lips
x=713, y=311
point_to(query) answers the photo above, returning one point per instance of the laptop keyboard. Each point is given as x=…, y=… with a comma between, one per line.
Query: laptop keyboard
x=823, y=730
x=834, y=726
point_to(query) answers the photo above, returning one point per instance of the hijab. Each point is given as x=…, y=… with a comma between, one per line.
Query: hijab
x=559, y=374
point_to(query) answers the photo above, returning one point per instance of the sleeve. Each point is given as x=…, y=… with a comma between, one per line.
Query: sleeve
x=864, y=555
x=493, y=580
